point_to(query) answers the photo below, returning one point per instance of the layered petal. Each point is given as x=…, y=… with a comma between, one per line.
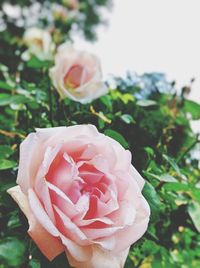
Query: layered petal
x=37, y=232
x=101, y=259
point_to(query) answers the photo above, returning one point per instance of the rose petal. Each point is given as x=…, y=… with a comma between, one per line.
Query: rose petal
x=124, y=215
x=136, y=175
x=101, y=259
x=41, y=237
x=61, y=200
x=131, y=234
x=28, y=162
x=80, y=253
x=69, y=229
x=40, y=214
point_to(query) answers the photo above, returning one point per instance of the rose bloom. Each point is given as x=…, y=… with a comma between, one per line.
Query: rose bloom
x=72, y=4
x=38, y=41
x=77, y=75
x=81, y=195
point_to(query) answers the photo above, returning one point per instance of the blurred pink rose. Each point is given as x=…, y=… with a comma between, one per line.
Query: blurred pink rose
x=73, y=4
x=81, y=195
x=39, y=43
x=77, y=75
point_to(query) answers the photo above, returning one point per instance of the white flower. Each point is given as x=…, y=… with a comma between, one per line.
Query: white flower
x=39, y=42
x=77, y=75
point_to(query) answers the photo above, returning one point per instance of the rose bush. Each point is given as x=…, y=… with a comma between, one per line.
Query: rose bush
x=81, y=195
x=77, y=75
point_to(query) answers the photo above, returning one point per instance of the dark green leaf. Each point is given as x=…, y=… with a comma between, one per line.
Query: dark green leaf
x=36, y=63
x=6, y=164
x=12, y=251
x=4, y=99
x=34, y=263
x=5, y=151
x=152, y=198
x=117, y=136
x=5, y=85
x=193, y=108
x=172, y=163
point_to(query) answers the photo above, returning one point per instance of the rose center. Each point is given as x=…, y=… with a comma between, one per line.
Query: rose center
x=76, y=76
x=37, y=42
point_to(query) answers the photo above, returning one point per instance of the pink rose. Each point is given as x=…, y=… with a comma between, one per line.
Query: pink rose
x=77, y=75
x=72, y=4
x=81, y=195
x=39, y=43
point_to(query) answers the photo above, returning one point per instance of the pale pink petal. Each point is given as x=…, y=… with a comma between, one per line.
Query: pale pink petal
x=80, y=253
x=30, y=158
x=61, y=172
x=107, y=243
x=40, y=236
x=81, y=222
x=89, y=152
x=61, y=200
x=51, y=136
x=41, y=187
x=82, y=206
x=136, y=175
x=123, y=157
x=95, y=234
x=122, y=184
x=100, y=163
x=101, y=259
x=131, y=234
x=42, y=192
x=40, y=213
x=89, y=173
x=99, y=209
x=69, y=229
x=124, y=215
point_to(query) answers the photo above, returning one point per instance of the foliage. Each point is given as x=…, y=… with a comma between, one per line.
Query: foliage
x=156, y=130
x=153, y=124
x=58, y=17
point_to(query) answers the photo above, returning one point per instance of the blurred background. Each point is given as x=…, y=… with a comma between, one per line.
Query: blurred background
x=151, y=36
x=150, y=55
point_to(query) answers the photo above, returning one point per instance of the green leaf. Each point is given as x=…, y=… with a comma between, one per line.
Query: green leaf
x=127, y=97
x=149, y=151
x=4, y=99
x=193, y=108
x=34, y=263
x=106, y=101
x=7, y=99
x=117, y=136
x=127, y=118
x=153, y=199
x=12, y=252
x=4, y=85
x=163, y=177
x=36, y=63
x=167, y=178
x=172, y=163
x=5, y=151
x=146, y=103
x=6, y=164
x=177, y=187
x=194, y=212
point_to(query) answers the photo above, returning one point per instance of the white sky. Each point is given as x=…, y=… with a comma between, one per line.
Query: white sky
x=151, y=35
